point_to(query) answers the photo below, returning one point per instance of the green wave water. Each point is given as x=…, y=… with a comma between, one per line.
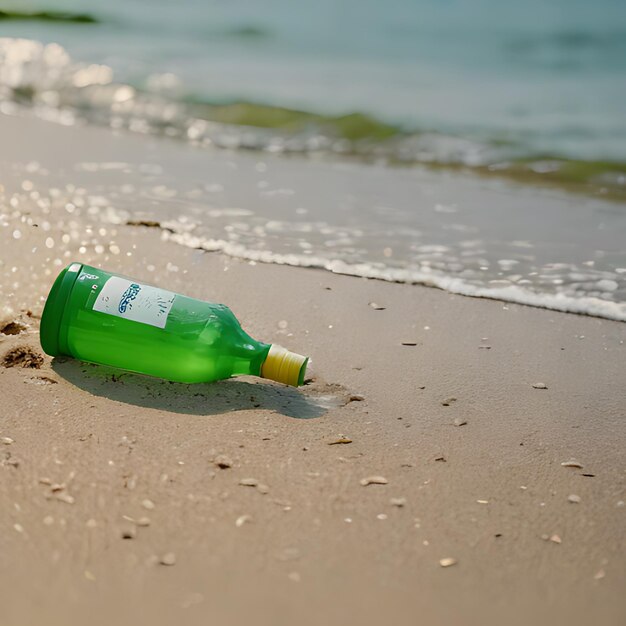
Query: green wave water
x=46, y=80
x=373, y=138
x=48, y=16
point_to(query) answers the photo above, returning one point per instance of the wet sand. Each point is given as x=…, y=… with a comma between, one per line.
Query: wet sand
x=470, y=448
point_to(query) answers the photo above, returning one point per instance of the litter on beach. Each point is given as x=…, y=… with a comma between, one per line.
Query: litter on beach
x=127, y=324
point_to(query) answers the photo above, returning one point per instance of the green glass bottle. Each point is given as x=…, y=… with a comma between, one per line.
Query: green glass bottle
x=105, y=318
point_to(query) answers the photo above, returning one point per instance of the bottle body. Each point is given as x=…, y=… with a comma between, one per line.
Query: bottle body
x=109, y=319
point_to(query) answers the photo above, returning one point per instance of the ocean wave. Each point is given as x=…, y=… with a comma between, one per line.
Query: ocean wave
x=183, y=234
x=49, y=16
x=42, y=78
x=557, y=302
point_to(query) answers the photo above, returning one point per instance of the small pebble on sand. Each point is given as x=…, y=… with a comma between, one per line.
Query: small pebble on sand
x=248, y=482
x=373, y=480
x=448, y=401
x=143, y=521
x=382, y=516
x=409, y=343
x=573, y=498
x=356, y=397
x=482, y=501
x=447, y=562
x=440, y=457
x=7, y=441
x=572, y=463
x=223, y=462
x=169, y=558
x=65, y=497
x=243, y=519
x=18, y=527
x=376, y=307
x=555, y=539
x=540, y=386
x=147, y=504
x=261, y=488
x=460, y=421
x=129, y=533
x=399, y=502
x=599, y=575
x=342, y=439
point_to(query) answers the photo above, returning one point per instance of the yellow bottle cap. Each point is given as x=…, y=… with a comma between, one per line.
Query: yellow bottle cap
x=284, y=366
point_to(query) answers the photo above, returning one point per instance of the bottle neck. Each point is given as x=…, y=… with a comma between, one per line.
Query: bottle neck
x=284, y=366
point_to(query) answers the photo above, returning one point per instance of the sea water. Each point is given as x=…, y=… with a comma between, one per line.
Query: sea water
x=531, y=90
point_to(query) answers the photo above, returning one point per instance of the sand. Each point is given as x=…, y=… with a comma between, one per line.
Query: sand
x=131, y=500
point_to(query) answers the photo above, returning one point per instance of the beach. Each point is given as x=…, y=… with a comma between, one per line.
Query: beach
x=451, y=459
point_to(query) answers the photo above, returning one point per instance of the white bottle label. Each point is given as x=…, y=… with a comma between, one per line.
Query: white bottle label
x=134, y=301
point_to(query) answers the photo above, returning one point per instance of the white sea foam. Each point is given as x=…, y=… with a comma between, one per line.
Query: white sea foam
x=584, y=305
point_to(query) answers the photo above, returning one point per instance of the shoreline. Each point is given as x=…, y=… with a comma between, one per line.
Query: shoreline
x=477, y=225
x=584, y=306
x=472, y=453
x=600, y=179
